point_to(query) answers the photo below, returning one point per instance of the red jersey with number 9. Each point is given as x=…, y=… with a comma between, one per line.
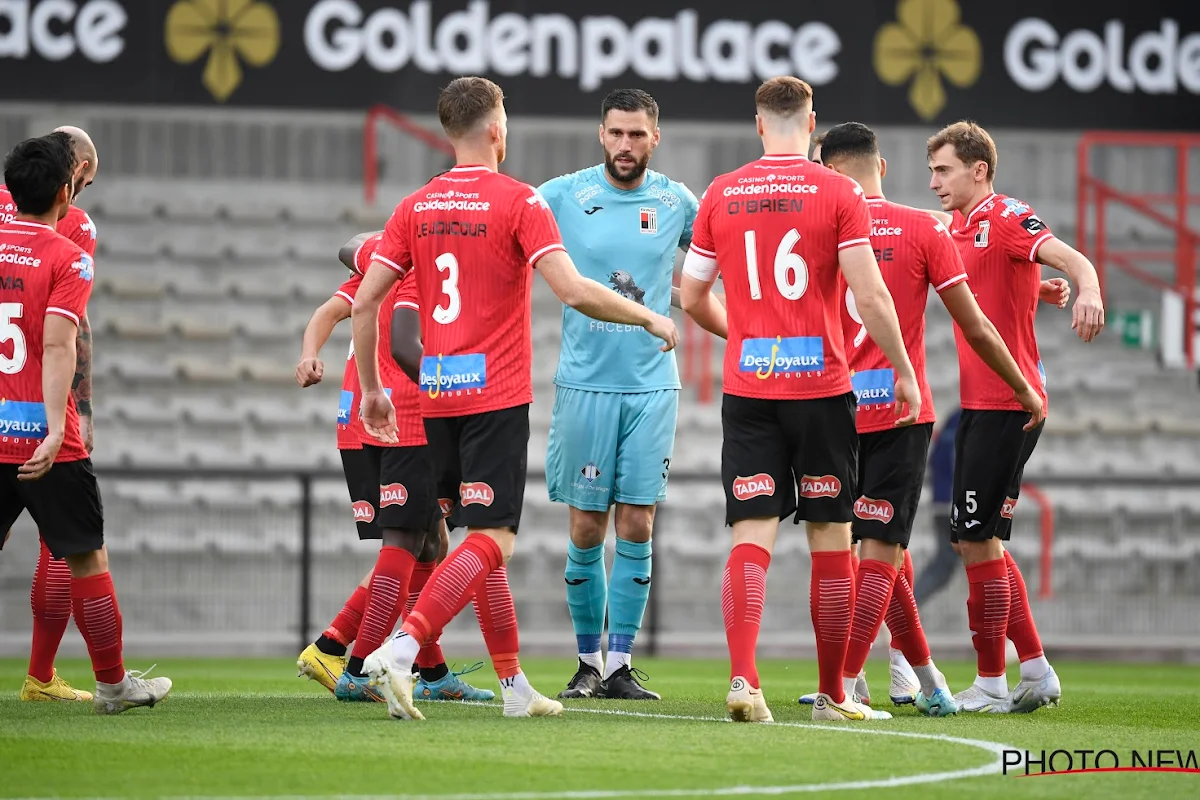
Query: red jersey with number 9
x=41, y=273
x=773, y=229
x=470, y=235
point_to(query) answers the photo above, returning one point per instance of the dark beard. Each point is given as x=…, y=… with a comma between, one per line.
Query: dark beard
x=639, y=169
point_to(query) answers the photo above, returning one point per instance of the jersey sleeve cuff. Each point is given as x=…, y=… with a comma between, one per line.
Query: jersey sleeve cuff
x=854, y=242
x=948, y=283
x=387, y=262
x=1041, y=240
x=701, y=251
x=406, y=304
x=698, y=266
x=345, y=297
x=63, y=312
x=550, y=248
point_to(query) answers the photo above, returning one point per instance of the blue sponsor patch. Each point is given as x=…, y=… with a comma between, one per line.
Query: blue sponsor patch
x=440, y=374
x=1042, y=373
x=20, y=420
x=781, y=356
x=344, y=407
x=874, y=387
x=85, y=266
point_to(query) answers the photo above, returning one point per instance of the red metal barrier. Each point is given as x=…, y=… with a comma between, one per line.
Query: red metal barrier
x=371, y=144
x=1046, y=589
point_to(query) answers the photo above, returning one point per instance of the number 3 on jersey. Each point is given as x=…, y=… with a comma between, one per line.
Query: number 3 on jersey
x=791, y=270
x=11, y=332
x=444, y=315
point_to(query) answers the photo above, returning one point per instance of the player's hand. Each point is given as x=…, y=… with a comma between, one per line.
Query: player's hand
x=1056, y=292
x=664, y=328
x=42, y=459
x=1087, y=315
x=87, y=431
x=379, y=417
x=309, y=371
x=908, y=401
x=1032, y=402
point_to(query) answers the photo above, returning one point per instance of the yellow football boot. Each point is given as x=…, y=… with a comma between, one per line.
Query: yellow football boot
x=322, y=668
x=55, y=689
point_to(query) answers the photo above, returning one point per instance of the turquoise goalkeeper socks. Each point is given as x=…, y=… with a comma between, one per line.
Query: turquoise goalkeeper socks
x=586, y=594
x=628, y=592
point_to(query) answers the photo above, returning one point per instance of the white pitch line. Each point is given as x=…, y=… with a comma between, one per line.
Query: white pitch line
x=990, y=768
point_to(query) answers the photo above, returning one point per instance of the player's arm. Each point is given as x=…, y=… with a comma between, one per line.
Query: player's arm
x=597, y=301
x=985, y=340
x=677, y=297
x=379, y=416
x=1087, y=315
x=58, y=369
x=878, y=312
x=407, y=349
x=347, y=251
x=81, y=384
x=311, y=370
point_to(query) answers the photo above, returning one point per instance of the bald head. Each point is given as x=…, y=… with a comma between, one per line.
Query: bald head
x=86, y=160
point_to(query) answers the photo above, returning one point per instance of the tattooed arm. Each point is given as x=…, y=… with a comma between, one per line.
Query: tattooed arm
x=81, y=386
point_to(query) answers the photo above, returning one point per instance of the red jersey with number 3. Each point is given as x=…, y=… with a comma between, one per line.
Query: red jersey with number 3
x=773, y=229
x=470, y=235
x=914, y=251
x=41, y=273
x=76, y=225
x=998, y=241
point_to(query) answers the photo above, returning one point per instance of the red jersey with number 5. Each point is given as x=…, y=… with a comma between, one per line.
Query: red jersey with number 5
x=773, y=229
x=998, y=241
x=41, y=273
x=470, y=235
x=914, y=252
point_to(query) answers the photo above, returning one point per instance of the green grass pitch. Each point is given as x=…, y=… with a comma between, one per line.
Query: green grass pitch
x=250, y=728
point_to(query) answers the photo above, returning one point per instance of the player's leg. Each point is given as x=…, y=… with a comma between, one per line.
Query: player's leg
x=988, y=447
x=645, y=445
x=66, y=506
x=1039, y=684
x=407, y=502
x=50, y=600
x=580, y=471
x=945, y=564
x=324, y=660
x=756, y=475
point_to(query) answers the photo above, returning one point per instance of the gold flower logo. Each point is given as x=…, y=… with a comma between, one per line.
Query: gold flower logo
x=927, y=43
x=227, y=30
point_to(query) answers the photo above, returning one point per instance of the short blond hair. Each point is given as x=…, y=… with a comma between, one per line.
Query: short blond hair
x=783, y=96
x=465, y=102
x=971, y=144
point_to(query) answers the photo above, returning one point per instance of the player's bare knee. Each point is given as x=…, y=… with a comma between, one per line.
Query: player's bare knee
x=828, y=536
x=406, y=539
x=505, y=538
x=431, y=547
x=634, y=523
x=760, y=531
x=588, y=528
x=85, y=565
x=875, y=550
x=978, y=552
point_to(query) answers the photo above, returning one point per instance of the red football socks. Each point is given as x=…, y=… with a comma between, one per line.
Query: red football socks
x=743, y=592
x=1021, y=628
x=344, y=628
x=872, y=593
x=831, y=603
x=453, y=584
x=94, y=604
x=498, y=621
x=905, y=623
x=387, y=593
x=987, y=611
x=50, y=599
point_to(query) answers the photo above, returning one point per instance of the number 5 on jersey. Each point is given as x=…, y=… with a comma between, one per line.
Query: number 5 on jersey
x=11, y=332
x=791, y=270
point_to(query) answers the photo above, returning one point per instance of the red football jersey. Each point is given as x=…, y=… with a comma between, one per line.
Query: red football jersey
x=470, y=235
x=41, y=273
x=914, y=252
x=76, y=225
x=349, y=423
x=773, y=229
x=998, y=241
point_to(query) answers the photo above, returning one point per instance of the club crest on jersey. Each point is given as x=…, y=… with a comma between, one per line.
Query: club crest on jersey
x=981, y=237
x=363, y=511
x=870, y=508
x=874, y=387
x=345, y=405
x=1013, y=206
x=590, y=472
x=782, y=357
x=453, y=375
x=476, y=494
x=814, y=486
x=21, y=420
x=760, y=485
x=648, y=219
x=1009, y=506
x=393, y=494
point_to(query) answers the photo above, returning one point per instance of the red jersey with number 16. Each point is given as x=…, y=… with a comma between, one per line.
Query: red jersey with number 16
x=41, y=273
x=773, y=229
x=471, y=236
x=999, y=241
x=914, y=252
